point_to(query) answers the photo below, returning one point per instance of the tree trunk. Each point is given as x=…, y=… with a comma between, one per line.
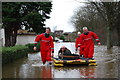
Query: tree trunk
x=10, y=36
x=7, y=37
x=14, y=36
x=109, y=42
x=118, y=34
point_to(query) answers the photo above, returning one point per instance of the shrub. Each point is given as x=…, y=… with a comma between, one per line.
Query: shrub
x=62, y=38
x=9, y=54
x=31, y=45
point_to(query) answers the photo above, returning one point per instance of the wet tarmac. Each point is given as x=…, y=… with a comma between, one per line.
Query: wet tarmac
x=31, y=67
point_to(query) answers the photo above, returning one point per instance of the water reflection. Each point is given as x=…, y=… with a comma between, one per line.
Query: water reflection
x=46, y=72
x=87, y=72
x=75, y=72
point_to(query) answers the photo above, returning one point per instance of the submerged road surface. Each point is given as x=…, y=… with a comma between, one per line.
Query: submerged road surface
x=31, y=67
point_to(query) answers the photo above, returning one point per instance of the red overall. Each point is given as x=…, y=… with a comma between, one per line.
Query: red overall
x=77, y=41
x=46, y=45
x=78, y=45
x=88, y=43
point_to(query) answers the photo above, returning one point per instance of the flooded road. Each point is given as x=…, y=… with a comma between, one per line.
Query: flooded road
x=31, y=67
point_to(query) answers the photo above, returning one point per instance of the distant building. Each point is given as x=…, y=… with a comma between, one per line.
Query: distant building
x=67, y=36
x=20, y=31
x=25, y=37
x=70, y=36
x=58, y=32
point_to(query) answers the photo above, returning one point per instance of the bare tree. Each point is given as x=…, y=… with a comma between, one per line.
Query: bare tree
x=110, y=13
x=100, y=14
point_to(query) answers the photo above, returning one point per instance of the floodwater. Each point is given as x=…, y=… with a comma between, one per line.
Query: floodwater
x=31, y=67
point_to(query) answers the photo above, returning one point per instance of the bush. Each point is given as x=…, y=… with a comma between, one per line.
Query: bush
x=31, y=45
x=62, y=38
x=9, y=54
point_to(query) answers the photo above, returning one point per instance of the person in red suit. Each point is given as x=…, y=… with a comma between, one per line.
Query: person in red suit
x=87, y=39
x=46, y=45
x=77, y=40
x=77, y=45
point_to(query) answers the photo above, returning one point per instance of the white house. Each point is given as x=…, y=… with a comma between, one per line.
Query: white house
x=22, y=39
x=2, y=37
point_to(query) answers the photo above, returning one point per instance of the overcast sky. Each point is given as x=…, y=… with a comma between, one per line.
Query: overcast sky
x=62, y=11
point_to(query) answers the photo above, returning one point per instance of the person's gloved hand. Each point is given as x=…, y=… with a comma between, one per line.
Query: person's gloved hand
x=35, y=48
x=99, y=43
x=52, y=53
x=76, y=49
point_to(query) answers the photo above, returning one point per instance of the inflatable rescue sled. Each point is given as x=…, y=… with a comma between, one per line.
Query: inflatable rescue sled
x=80, y=61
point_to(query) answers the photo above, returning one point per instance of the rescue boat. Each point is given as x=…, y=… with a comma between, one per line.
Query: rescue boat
x=82, y=61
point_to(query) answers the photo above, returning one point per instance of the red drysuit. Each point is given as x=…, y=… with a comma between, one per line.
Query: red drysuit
x=88, y=43
x=46, y=45
x=78, y=45
x=77, y=41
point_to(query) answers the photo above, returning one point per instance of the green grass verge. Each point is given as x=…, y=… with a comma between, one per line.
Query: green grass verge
x=10, y=54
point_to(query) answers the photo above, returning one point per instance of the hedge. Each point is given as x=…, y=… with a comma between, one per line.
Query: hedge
x=31, y=45
x=9, y=54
